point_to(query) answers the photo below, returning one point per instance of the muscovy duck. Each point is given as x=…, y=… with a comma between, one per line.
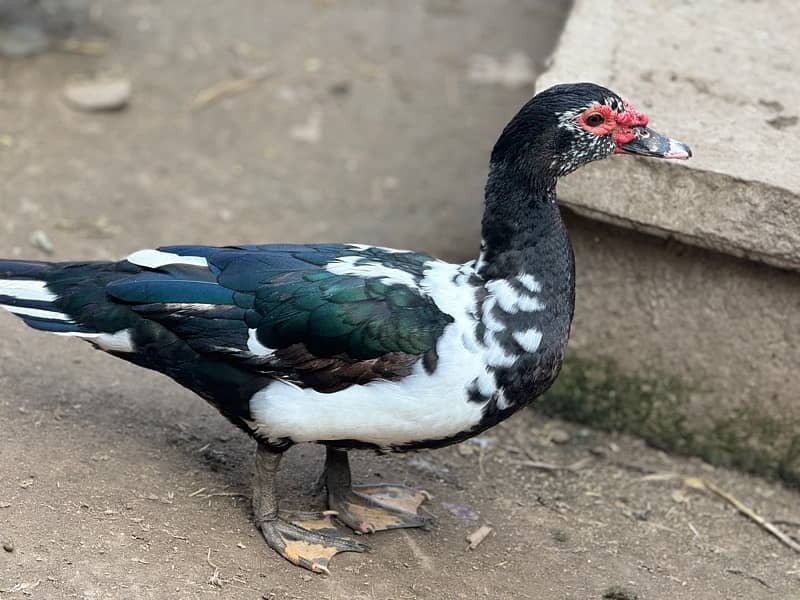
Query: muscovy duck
x=356, y=346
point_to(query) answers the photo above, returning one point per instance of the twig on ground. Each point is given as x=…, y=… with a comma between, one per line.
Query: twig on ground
x=749, y=576
x=215, y=579
x=786, y=522
x=229, y=87
x=534, y=463
x=694, y=529
x=700, y=484
x=648, y=471
x=543, y=466
x=477, y=536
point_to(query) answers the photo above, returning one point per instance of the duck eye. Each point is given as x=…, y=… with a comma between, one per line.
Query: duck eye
x=594, y=119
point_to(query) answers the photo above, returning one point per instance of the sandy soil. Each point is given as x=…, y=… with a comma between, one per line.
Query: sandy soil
x=115, y=483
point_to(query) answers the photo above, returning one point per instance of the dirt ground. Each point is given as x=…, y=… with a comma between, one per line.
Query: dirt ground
x=364, y=125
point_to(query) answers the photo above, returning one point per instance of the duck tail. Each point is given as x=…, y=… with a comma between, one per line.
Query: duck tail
x=24, y=292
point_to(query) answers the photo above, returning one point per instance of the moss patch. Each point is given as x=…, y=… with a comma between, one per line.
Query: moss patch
x=595, y=392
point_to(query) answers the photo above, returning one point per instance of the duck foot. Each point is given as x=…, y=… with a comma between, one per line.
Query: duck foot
x=370, y=508
x=308, y=540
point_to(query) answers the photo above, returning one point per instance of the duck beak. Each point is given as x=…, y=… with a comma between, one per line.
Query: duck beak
x=647, y=142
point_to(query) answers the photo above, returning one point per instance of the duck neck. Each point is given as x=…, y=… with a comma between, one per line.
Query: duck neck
x=522, y=228
x=528, y=272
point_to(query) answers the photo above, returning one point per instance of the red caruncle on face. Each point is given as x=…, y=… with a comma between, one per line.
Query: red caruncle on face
x=601, y=119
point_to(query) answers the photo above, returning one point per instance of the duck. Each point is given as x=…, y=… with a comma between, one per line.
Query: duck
x=355, y=346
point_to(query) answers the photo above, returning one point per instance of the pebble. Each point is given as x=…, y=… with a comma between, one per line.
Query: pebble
x=8, y=546
x=340, y=88
x=559, y=436
x=599, y=451
x=40, y=240
x=98, y=95
x=310, y=131
x=465, y=450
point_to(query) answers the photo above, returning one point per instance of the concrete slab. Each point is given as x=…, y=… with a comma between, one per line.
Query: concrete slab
x=718, y=75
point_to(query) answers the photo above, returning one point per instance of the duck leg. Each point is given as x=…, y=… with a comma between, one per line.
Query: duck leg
x=369, y=508
x=306, y=539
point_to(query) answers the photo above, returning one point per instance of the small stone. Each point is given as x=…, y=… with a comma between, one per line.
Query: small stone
x=559, y=535
x=98, y=95
x=312, y=64
x=340, y=88
x=465, y=450
x=620, y=593
x=8, y=546
x=642, y=515
x=310, y=131
x=559, y=436
x=40, y=240
x=679, y=496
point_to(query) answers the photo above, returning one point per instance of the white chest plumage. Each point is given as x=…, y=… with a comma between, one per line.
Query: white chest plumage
x=421, y=406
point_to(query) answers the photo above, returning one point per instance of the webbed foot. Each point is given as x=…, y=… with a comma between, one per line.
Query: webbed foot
x=308, y=540
x=370, y=508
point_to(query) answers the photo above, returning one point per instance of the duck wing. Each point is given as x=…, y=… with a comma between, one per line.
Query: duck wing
x=318, y=316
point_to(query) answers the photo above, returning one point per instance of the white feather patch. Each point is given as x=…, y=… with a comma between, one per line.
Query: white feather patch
x=510, y=300
x=37, y=312
x=255, y=346
x=506, y=295
x=26, y=289
x=526, y=304
x=364, y=247
x=496, y=355
x=153, y=259
x=119, y=341
x=489, y=320
x=528, y=340
x=346, y=265
x=529, y=282
x=501, y=402
x=487, y=384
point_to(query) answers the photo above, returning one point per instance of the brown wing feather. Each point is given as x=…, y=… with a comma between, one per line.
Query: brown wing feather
x=333, y=373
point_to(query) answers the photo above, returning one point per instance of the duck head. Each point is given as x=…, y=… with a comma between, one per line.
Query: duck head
x=568, y=125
